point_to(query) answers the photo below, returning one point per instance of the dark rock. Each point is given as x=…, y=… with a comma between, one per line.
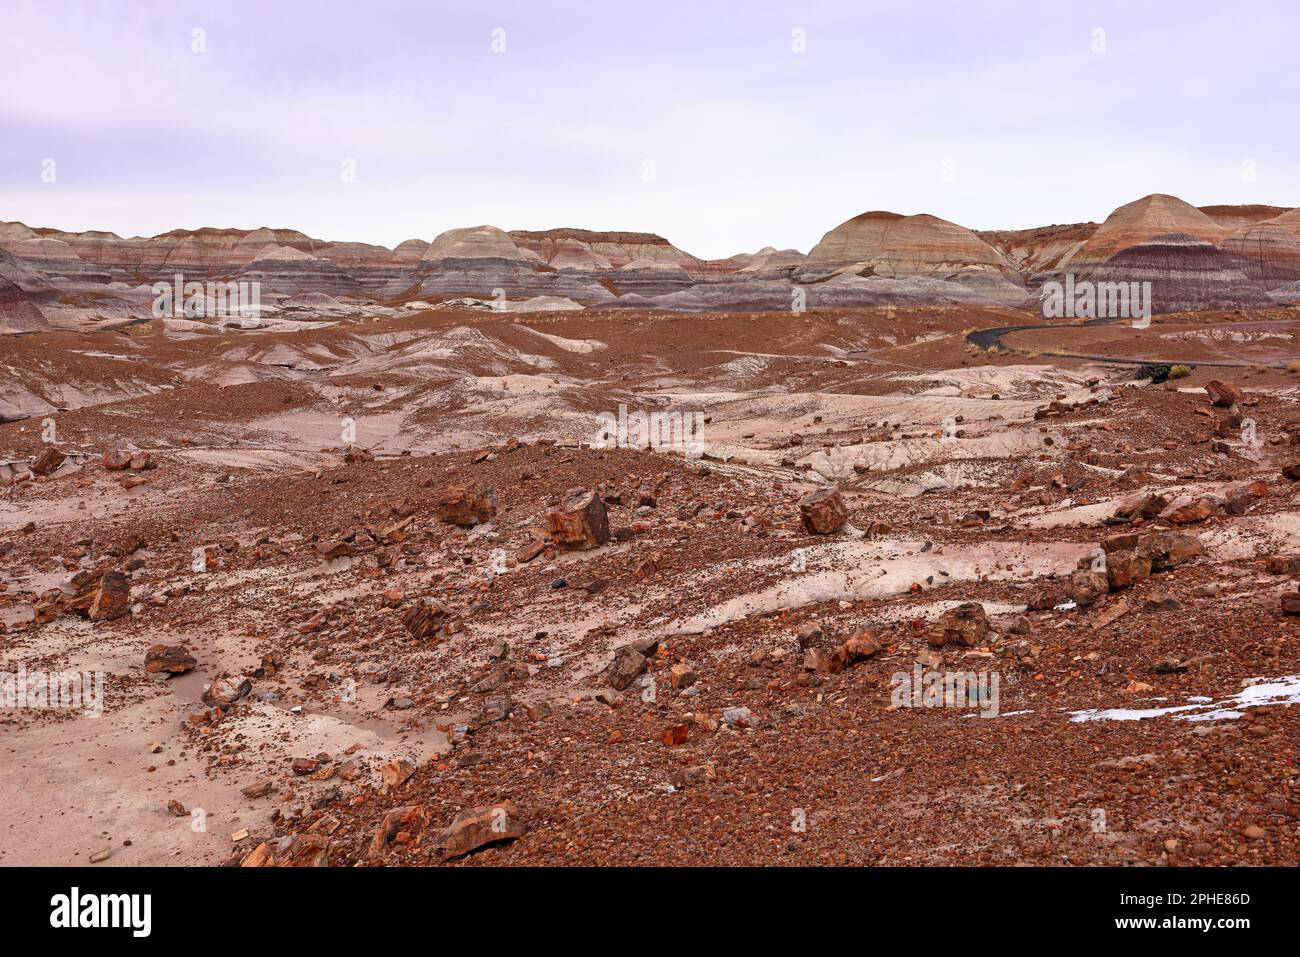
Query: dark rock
x=174, y=659
x=580, y=522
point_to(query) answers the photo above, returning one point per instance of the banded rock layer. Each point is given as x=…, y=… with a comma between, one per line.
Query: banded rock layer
x=1186, y=274
x=893, y=246
x=1136, y=222
x=1208, y=257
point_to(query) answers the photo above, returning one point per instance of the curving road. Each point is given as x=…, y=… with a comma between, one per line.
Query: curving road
x=987, y=338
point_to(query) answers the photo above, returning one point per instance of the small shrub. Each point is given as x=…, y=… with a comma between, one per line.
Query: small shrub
x=1180, y=372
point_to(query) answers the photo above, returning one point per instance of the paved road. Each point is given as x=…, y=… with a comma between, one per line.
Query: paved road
x=987, y=338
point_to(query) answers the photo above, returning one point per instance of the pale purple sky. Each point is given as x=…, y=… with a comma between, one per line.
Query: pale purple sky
x=992, y=115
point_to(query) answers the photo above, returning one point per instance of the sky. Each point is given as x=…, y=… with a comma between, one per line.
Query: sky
x=725, y=127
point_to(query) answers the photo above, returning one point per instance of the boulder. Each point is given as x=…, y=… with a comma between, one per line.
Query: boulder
x=479, y=827
x=966, y=625
x=406, y=820
x=859, y=648
x=334, y=549
x=628, y=663
x=112, y=598
x=682, y=676
x=822, y=511
x=1146, y=506
x=1169, y=549
x=1240, y=498
x=173, y=659
x=1124, y=568
x=465, y=505
x=47, y=461
x=1086, y=586
x=740, y=718
x=817, y=660
x=226, y=690
x=1121, y=541
x=117, y=460
x=682, y=778
x=426, y=620
x=1193, y=510
x=497, y=708
x=259, y=788
x=395, y=773
x=579, y=522
x=1223, y=393
x=1157, y=601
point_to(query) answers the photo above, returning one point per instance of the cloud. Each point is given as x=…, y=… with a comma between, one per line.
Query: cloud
x=999, y=116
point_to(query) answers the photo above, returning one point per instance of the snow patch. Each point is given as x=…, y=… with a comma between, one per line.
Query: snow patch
x=1260, y=691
